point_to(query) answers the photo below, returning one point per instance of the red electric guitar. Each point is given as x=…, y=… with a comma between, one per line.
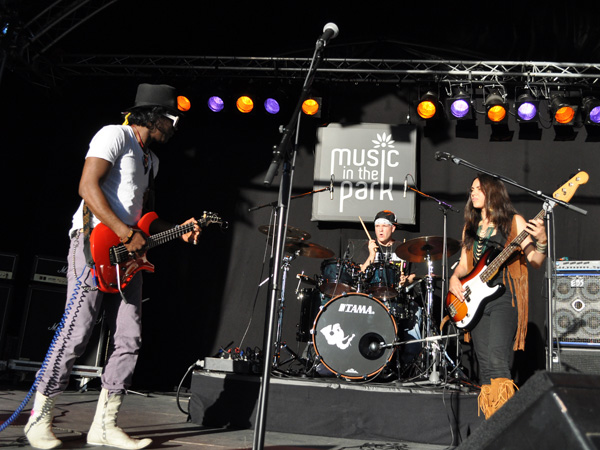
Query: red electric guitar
x=114, y=265
x=478, y=290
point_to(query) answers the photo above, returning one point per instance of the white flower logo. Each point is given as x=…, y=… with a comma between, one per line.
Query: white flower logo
x=383, y=140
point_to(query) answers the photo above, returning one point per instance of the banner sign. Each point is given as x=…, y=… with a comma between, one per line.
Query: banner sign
x=368, y=164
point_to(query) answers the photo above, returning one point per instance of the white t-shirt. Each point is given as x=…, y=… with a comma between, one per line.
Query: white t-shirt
x=126, y=183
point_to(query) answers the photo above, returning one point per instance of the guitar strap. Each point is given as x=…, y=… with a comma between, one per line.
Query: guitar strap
x=149, y=195
x=87, y=231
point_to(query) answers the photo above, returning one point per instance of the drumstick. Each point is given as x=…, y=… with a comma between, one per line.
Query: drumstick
x=366, y=231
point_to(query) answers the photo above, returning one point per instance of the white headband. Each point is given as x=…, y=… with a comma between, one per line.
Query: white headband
x=383, y=221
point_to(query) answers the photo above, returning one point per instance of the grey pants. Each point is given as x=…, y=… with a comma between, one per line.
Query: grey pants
x=82, y=310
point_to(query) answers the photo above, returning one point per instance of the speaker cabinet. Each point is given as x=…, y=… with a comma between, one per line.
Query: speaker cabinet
x=576, y=301
x=577, y=360
x=551, y=411
x=6, y=293
x=43, y=313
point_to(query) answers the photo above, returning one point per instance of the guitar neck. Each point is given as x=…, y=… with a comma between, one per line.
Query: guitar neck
x=495, y=265
x=169, y=235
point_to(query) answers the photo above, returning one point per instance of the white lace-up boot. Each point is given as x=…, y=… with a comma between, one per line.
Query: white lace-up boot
x=104, y=429
x=38, y=429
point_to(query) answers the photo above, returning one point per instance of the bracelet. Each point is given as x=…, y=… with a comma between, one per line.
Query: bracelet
x=129, y=237
x=541, y=248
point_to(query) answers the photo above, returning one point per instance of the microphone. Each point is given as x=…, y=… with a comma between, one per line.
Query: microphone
x=405, y=185
x=330, y=31
x=331, y=187
x=375, y=346
x=442, y=156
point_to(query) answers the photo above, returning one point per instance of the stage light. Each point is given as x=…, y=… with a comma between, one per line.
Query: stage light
x=244, y=104
x=527, y=108
x=427, y=107
x=496, y=108
x=459, y=105
x=590, y=111
x=183, y=103
x=562, y=110
x=312, y=106
x=272, y=106
x=216, y=103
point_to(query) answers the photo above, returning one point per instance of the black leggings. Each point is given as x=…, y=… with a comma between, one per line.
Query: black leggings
x=493, y=338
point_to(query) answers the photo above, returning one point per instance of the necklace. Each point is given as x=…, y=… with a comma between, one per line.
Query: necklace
x=483, y=236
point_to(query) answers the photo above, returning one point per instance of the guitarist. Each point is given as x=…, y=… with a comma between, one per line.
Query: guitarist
x=116, y=186
x=491, y=221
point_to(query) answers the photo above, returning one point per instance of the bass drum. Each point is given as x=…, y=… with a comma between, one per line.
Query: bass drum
x=348, y=335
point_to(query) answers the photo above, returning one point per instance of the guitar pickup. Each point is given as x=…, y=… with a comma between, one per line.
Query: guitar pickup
x=117, y=254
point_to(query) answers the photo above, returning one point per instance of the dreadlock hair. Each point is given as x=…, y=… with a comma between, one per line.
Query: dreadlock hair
x=145, y=116
x=498, y=207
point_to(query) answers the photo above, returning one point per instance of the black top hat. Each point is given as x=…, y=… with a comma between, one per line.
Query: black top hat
x=149, y=95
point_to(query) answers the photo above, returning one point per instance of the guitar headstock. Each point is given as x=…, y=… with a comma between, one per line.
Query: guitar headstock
x=567, y=190
x=209, y=217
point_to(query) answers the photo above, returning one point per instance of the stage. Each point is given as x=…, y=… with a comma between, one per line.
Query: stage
x=443, y=414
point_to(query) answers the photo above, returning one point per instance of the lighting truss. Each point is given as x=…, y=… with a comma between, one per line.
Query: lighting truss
x=333, y=69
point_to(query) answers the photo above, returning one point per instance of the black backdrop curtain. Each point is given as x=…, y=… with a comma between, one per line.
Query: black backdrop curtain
x=205, y=297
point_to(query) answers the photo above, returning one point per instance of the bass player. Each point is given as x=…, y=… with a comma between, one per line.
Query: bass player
x=491, y=221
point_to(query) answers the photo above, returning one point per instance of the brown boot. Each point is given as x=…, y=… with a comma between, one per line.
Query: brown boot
x=484, y=401
x=502, y=390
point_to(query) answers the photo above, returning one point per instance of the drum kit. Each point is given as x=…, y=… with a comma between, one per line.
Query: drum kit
x=355, y=321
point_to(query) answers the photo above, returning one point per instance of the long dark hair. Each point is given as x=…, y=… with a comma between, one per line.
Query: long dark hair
x=498, y=207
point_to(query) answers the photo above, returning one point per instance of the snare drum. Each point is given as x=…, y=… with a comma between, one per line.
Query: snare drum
x=383, y=280
x=338, y=277
x=351, y=336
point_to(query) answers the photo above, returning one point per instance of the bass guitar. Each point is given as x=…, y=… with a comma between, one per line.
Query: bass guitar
x=115, y=267
x=478, y=289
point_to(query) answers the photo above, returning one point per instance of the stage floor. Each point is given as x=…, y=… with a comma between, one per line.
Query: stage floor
x=158, y=416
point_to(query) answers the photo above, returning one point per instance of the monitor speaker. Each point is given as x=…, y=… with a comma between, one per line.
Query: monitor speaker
x=552, y=410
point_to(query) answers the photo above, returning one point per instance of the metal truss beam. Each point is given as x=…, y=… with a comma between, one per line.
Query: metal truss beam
x=334, y=70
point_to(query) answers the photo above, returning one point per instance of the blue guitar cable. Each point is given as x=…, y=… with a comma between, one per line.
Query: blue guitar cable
x=42, y=370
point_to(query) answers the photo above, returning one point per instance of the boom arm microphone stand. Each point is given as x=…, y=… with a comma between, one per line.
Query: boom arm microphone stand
x=549, y=203
x=286, y=154
x=444, y=207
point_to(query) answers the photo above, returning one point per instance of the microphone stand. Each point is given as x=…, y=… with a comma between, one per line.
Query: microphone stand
x=444, y=207
x=549, y=203
x=286, y=154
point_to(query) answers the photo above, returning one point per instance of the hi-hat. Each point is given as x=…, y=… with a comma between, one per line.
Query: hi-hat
x=308, y=249
x=417, y=250
x=292, y=233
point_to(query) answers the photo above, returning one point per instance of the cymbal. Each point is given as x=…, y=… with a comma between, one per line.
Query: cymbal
x=308, y=249
x=416, y=250
x=292, y=233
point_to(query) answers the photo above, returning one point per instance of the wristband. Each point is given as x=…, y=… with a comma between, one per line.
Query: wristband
x=129, y=237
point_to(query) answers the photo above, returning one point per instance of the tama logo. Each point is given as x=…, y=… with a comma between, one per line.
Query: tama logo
x=356, y=309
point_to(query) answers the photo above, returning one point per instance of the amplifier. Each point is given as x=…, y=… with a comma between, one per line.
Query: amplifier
x=578, y=266
x=576, y=302
x=50, y=270
x=8, y=266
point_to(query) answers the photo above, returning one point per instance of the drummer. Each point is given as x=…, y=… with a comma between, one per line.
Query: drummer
x=383, y=247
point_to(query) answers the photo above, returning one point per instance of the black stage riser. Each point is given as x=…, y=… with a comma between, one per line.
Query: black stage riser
x=551, y=411
x=336, y=408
